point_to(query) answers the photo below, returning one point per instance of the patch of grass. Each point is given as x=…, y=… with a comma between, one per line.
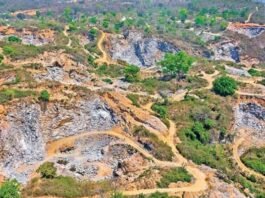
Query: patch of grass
x=174, y=175
x=65, y=187
x=9, y=94
x=112, y=71
x=152, y=85
x=158, y=148
x=18, y=51
x=5, y=66
x=160, y=109
x=257, y=73
x=255, y=159
x=134, y=98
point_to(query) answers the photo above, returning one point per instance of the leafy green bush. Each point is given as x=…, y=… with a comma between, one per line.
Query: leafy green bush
x=132, y=73
x=14, y=39
x=224, y=86
x=174, y=175
x=255, y=159
x=10, y=189
x=44, y=96
x=47, y=170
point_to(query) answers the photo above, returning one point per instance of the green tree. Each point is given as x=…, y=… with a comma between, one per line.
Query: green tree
x=44, y=96
x=201, y=20
x=47, y=170
x=183, y=14
x=176, y=65
x=131, y=73
x=10, y=189
x=224, y=86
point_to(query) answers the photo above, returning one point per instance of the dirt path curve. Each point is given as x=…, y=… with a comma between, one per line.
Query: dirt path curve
x=236, y=157
x=250, y=15
x=200, y=183
x=104, y=58
x=209, y=78
x=66, y=28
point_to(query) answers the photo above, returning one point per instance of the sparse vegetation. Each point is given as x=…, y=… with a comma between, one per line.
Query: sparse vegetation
x=132, y=73
x=47, y=170
x=9, y=94
x=44, y=96
x=255, y=159
x=158, y=148
x=65, y=187
x=174, y=175
x=134, y=98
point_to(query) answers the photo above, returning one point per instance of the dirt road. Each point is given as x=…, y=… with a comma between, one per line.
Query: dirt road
x=236, y=156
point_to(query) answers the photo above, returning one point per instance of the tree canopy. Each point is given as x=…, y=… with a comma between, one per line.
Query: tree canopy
x=224, y=86
x=176, y=64
x=10, y=189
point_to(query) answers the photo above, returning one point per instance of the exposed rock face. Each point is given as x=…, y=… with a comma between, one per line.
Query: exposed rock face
x=29, y=36
x=251, y=116
x=54, y=73
x=98, y=157
x=250, y=30
x=25, y=130
x=135, y=49
x=228, y=51
x=22, y=140
x=218, y=188
x=237, y=72
x=88, y=115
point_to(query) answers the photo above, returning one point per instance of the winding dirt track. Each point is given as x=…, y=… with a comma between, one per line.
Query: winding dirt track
x=66, y=28
x=236, y=157
x=104, y=58
x=200, y=183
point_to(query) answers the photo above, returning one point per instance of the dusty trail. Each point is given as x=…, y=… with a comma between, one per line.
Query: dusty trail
x=104, y=58
x=66, y=28
x=200, y=183
x=209, y=78
x=236, y=157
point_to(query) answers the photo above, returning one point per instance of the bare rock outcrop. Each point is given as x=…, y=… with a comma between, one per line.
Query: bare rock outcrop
x=251, y=116
x=26, y=128
x=136, y=49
